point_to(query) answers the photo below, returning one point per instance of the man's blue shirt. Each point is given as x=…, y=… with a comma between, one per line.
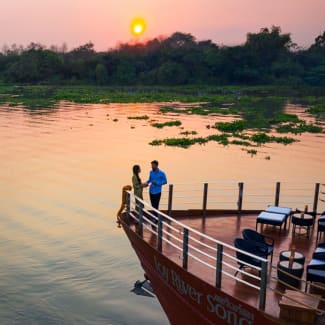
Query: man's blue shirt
x=157, y=180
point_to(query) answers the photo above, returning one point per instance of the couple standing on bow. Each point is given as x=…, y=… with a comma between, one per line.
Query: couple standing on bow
x=157, y=178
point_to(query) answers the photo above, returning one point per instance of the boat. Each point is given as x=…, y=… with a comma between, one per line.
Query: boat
x=187, y=253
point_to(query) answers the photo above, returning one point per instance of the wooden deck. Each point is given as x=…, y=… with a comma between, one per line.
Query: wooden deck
x=226, y=228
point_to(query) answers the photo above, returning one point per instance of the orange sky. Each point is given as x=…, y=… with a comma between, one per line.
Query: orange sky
x=106, y=22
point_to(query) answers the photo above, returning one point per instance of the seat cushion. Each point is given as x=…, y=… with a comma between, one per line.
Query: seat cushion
x=316, y=275
x=276, y=209
x=316, y=264
x=320, y=250
x=276, y=219
x=321, y=225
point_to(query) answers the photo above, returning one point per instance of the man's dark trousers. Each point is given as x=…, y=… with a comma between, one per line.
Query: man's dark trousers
x=155, y=199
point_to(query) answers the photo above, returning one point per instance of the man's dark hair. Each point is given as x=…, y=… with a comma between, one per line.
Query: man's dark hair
x=155, y=162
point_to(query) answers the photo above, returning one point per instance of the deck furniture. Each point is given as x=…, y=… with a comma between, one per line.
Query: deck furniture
x=303, y=221
x=298, y=257
x=262, y=242
x=277, y=209
x=296, y=270
x=275, y=216
x=271, y=218
x=316, y=267
x=301, y=308
x=315, y=273
x=319, y=253
x=320, y=226
x=249, y=247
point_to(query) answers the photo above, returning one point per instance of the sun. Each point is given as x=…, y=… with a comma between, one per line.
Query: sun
x=138, y=26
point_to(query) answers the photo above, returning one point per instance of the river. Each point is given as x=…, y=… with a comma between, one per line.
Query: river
x=63, y=260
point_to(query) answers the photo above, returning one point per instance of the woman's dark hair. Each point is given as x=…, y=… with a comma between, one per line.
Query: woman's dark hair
x=136, y=170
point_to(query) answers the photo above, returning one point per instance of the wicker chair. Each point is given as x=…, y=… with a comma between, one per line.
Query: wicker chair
x=249, y=247
x=263, y=243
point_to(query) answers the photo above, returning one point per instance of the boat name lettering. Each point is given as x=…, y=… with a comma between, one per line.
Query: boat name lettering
x=226, y=310
x=184, y=288
x=162, y=269
x=229, y=311
x=177, y=282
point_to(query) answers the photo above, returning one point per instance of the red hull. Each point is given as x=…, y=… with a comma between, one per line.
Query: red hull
x=186, y=298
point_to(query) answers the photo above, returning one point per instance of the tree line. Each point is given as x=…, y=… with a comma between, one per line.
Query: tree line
x=266, y=57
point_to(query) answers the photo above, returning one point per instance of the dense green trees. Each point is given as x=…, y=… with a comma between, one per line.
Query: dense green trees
x=267, y=57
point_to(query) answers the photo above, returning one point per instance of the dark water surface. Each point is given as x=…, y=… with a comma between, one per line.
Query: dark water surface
x=63, y=260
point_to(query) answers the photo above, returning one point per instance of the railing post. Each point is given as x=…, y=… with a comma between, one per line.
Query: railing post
x=140, y=222
x=185, y=248
x=317, y=185
x=128, y=207
x=263, y=286
x=160, y=233
x=240, y=196
x=219, y=265
x=277, y=193
x=205, y=199
x=170, y=199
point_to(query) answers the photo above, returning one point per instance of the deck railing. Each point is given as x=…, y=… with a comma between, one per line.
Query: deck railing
x=241, y=196
x=218, y=258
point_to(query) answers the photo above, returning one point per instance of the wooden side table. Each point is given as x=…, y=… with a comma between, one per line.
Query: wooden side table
x=304, y=221
x=296, y=269
x=298, y=257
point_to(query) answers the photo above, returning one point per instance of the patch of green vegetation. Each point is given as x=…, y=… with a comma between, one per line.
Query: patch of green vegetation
x=220, y=138
x=284, y=140
x=241, y=143
x=260, y=112
x=188, y=133
x=252, y=152
x=156, y=142
x=285, y=118
x=317, y=110
x=179, y=142
x=184, y=142
x=205, y=108
x=241, y=136
x=231, y=127
x=169, y=109
x=261, y=138
x=299, y=128
x=187, y=142
x=168, y=123
x=141, y=117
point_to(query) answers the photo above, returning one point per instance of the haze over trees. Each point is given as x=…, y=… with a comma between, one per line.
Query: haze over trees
x=267, y=57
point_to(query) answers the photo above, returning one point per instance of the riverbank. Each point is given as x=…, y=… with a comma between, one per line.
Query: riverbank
x=48, y=95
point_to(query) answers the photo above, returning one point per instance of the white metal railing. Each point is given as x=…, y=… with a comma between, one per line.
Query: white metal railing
x=240, y=196
x=216, y=256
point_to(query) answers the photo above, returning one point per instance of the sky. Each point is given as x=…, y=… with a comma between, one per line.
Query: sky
x=106, y=22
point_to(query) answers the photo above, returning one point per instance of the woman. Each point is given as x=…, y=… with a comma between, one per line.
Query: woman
x=136, y=181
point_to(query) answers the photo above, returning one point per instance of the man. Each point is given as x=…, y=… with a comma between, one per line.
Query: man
x=157, y=178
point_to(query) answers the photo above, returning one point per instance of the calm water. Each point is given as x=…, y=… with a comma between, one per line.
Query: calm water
x=63, y=261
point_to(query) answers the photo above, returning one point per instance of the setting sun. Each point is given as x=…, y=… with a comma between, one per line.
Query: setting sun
x=138, y=26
